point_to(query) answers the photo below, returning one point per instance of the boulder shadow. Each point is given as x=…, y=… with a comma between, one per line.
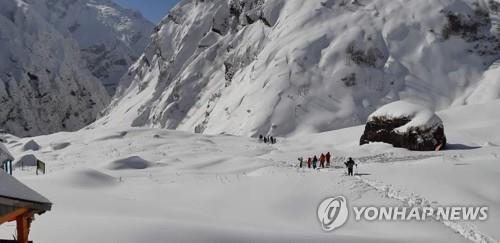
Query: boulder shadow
x=362, y=174
x=460, y=147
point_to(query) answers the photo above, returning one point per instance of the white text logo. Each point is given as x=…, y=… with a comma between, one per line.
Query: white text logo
x=333, y=213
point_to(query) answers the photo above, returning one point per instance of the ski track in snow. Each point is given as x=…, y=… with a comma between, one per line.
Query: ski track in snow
x=468, y=230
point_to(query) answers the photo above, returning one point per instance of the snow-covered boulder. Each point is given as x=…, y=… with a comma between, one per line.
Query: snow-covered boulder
x=28, y=160
x=31, y=145
x=130, y=163
x=405, y=125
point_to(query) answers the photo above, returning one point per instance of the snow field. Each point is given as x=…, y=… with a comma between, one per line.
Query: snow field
x=149, y=185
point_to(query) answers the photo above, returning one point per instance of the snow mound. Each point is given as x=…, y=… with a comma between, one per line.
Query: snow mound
x=28, y=160
x=111, y=137
x=59, y=146
x=419, y=116
x=134, y=162
x=89, y=178
x=31, y=145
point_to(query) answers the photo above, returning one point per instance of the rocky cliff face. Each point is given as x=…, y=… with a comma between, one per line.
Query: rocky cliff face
x=110, y=37
x=44, y=85
x=283, y=67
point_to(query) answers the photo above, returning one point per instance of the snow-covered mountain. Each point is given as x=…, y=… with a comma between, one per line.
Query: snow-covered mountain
x=45, y=86
x=110, y=37
x=54, y=54
x=284, y=67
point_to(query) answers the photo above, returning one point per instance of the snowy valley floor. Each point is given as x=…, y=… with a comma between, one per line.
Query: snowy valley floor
x=152, y=185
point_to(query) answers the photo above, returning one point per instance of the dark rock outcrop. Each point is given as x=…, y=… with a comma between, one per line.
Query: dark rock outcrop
x=401, y=133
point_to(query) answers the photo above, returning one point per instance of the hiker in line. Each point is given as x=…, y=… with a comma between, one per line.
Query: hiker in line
x=322, y=160
x=328, y=156
x=265, y=139
x=350, y=166
x=315, y=162
x=261, y=137
x=272, y=140
x=301, y=160
x=309, y=161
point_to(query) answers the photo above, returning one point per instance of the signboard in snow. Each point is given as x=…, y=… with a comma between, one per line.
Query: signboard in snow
x=40, y=166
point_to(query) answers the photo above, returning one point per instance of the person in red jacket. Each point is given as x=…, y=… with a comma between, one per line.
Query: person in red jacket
x=322, y=160
x=328, y=157
x=309, y=161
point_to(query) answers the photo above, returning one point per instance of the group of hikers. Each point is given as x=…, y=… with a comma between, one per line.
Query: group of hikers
x=325, y=161
x=268, y=139
x=316, y=162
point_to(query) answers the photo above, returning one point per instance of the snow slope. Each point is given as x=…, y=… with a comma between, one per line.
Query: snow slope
x=278, y=67
x=44, y=85
x=489, y=88
x=127, y=184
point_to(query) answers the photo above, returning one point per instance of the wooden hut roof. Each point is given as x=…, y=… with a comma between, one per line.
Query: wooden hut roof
x=13, y=193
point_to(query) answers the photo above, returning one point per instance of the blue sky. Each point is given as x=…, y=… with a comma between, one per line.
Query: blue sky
x=153, y=10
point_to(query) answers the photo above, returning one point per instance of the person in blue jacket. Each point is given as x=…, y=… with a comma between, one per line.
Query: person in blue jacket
x=315, y=162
